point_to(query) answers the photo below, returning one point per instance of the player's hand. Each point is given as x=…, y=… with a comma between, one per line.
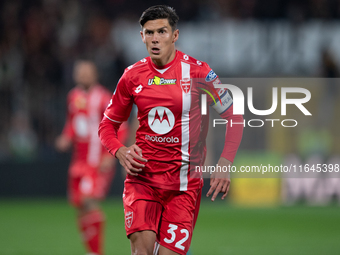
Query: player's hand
x=127, y=156
x=220, y=181
x=62, y=143
x=106, y=165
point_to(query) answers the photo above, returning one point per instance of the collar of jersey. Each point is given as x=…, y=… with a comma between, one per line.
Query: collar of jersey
x=163, y=69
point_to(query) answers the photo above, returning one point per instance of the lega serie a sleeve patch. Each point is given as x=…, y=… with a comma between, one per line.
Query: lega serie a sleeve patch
x=211, y=76
x=223, y=105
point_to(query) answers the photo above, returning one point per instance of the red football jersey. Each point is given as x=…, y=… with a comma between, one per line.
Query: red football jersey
x=85, y=110
x=171, y=130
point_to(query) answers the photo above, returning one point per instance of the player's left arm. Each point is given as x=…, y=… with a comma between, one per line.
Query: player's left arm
x=220, y=181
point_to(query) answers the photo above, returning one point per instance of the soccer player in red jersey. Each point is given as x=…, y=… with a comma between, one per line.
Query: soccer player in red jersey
x=92, y=167
x=162, y=190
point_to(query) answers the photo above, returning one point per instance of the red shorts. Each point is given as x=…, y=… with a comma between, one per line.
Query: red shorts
x=93, y=184
x=170, y=214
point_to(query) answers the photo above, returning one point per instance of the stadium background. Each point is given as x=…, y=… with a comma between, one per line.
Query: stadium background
x=39, y=42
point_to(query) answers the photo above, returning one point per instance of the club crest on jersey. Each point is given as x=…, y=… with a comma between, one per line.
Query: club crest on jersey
x=186, y=85
x=211, y=76
x=128, y=218
x=161, y=81
x=80, y=102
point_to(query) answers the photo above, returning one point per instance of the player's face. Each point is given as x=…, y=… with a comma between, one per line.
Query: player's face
x=160, y=41
x=85, y=75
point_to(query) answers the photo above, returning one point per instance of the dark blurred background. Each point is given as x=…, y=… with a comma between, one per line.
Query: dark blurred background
x=41, y=39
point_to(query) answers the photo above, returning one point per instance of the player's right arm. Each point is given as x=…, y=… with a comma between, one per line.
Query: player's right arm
x=64, y=141
x=115, y=114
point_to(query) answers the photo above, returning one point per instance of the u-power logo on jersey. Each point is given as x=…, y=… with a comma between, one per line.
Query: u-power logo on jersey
x=238, y=105
x=161, y=120
x=161, y=81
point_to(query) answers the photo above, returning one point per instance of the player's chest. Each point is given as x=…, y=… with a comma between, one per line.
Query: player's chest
x=156, y=89
x=84, y=104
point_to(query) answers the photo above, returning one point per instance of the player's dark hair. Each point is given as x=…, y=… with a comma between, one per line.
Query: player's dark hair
x=160, y=12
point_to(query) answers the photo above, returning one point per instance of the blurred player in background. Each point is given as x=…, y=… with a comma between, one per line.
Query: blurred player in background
x=92, y=168
x=162, y=194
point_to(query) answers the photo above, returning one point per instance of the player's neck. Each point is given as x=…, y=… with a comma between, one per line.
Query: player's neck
x=166, y=62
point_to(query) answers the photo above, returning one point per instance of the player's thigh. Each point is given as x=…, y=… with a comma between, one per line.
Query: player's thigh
x=85, y=190
x=165, y=251
x=73, y=192
x=142, y=242
x=102, y=183
x=178, y=221
x=95, y=184
x=161, y=250
x=142, y=208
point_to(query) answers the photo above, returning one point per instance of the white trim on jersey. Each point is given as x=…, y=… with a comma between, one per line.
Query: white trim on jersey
x=94, y=149
x=186, y=104
x=112, y=119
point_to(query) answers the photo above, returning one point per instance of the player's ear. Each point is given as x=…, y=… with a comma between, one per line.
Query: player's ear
x=175, y=35
x=142, y=35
